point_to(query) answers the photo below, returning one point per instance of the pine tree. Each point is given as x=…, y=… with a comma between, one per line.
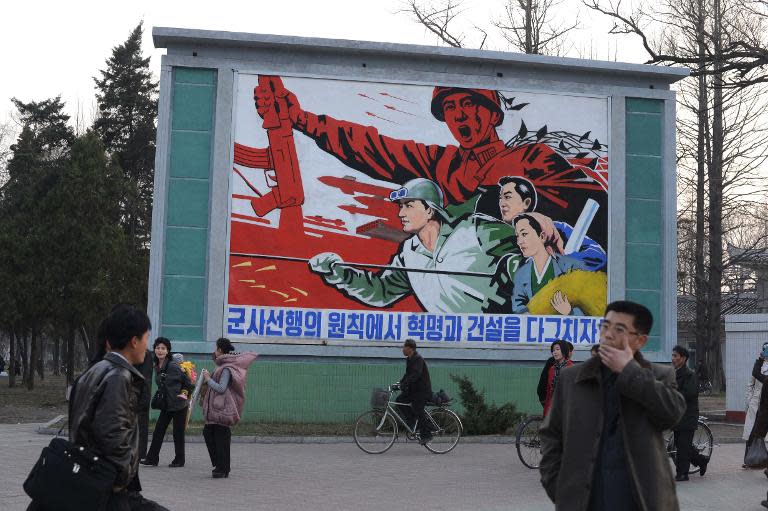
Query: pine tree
x=83, y=213
x=38, y=160
x=126, y=96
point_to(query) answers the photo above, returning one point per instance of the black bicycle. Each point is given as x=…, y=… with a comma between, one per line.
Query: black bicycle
x=377, y=429
x=705, y=387
x=703, y=442
x=527, y=441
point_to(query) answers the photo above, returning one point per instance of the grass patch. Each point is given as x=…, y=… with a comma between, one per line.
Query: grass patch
x=40, y=404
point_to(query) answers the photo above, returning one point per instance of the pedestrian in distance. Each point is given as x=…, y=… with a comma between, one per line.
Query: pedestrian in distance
x=684, y=430
x=560, y=359
x=223, y=400
x=752, y=397
x=594, y=351
x=171, y=381
x=145, y=368
x=755, y=455
x=602, y=446
x=102, y=410
x=416, y=389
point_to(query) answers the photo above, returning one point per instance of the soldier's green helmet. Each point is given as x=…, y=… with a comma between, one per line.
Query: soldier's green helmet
x=421, y=189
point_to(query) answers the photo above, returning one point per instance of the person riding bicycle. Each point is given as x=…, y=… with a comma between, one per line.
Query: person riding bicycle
x=685, y=429
x=560, y=359
x=416, y=389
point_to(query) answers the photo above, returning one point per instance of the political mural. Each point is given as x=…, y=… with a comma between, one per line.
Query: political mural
x=366, y=212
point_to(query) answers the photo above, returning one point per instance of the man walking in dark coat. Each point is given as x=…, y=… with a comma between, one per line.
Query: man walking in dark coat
x=416, y=389
x=686, y=385
x=602, y=446
x=145, y=368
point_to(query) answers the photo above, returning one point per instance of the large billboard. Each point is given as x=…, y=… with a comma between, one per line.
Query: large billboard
x=366, y=212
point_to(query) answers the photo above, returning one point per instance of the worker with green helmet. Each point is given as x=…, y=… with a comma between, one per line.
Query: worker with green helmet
x=438, y=241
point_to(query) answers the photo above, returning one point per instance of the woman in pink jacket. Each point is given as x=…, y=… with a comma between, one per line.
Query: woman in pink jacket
x=223, y=402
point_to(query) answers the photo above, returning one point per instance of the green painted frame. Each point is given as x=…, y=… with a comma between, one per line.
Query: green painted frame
x=644, y=209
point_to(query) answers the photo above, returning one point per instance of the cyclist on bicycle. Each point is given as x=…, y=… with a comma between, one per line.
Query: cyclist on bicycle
x=416, y=389
x=560, y=359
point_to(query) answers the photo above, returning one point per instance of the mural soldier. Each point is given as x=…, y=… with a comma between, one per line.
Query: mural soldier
x=461, y=171
x=517, y=195
x=438, y=242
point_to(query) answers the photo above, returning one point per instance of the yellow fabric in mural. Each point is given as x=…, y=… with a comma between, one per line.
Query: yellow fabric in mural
x=587, y=290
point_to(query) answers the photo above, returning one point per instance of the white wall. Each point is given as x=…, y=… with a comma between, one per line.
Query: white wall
x=744, y=336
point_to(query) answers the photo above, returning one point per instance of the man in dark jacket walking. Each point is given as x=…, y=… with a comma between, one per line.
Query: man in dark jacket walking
x=686, y=385
x=416, y=389
x=102, y=411
x=602, y=446
x=145, y=368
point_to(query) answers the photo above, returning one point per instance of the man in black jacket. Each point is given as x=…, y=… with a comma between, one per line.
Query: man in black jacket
x=416, y=389
x=103, y=409
x=684, y=430
x=145, y=368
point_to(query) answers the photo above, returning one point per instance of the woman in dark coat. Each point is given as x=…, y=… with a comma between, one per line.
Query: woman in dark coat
x=560, y=359
x=760, y=429
x=168, y=373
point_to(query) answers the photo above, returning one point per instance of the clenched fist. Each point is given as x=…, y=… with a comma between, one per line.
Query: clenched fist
x=265, y=98
x=324, y=263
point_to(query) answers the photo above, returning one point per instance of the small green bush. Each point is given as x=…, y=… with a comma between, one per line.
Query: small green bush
x=480, y=418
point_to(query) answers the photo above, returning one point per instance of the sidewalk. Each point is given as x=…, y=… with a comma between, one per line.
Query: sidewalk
x=339, y=477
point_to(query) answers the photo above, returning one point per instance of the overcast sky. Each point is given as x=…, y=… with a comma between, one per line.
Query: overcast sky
x=51, y=47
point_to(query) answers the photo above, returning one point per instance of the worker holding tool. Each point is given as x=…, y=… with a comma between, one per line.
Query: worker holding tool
x=451, y=248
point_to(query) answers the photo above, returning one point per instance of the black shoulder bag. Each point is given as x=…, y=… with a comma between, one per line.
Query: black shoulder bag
x=70, y=478
x=160, y=399
x=67, y=477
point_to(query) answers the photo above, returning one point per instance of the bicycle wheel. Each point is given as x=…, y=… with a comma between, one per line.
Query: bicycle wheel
x=702, y=443
x=528, y=443
x=448, y=433
x=669, y=444
x=375, y=433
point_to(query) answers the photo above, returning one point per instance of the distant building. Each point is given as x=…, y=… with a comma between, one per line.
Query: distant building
x=733, y=303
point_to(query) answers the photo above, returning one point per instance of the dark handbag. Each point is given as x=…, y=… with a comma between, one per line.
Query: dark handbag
x=441, y=398
x=757, y=455
x=70, y=478
x=160, y=399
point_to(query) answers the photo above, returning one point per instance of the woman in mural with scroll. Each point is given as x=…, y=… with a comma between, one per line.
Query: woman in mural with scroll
x=538, y=284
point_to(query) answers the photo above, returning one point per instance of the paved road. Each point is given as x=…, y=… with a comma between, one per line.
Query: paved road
x=475, y=477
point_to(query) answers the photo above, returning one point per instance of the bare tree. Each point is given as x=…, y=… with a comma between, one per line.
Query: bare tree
x=438, y=18
x=722, y=139
x=7, y=135
x=527, y=26
x=530, y=26
x=742, y=33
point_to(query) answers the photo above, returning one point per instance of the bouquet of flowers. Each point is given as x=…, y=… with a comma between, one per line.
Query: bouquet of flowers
x=189, y=369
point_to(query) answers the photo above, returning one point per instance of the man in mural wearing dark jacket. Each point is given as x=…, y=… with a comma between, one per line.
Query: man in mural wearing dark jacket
x=686, y=385
x=416, y=389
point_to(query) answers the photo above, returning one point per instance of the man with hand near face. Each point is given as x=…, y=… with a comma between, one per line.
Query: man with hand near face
x=602, y=446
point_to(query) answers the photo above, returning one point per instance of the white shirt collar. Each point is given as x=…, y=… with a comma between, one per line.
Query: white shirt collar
x=543, y=271
x=120, y=355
